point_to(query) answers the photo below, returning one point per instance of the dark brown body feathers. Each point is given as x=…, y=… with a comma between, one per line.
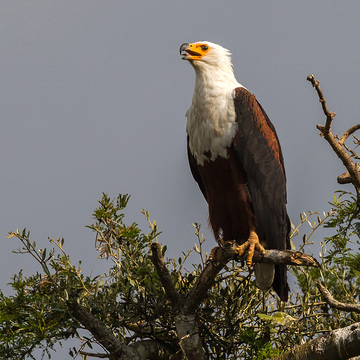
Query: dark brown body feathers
x=248, y=188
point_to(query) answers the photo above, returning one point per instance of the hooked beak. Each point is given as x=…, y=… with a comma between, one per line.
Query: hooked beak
x=187, y=52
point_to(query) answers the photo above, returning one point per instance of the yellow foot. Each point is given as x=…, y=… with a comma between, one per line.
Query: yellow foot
x=251, y=244
x=212, y=255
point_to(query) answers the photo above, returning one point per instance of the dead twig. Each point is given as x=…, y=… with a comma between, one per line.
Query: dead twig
x=338, y=144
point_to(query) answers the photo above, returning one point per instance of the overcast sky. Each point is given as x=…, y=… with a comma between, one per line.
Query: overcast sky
x=94, y=94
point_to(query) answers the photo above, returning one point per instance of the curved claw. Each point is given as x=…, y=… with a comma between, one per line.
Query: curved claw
x=220, y=244
x=212, y=256
x=251, y=244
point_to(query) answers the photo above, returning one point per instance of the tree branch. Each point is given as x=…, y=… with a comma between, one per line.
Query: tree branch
x=140, y=350
x=185, y=323
x=188, y=333
x=97, y=355
x=101, y=333
x=227, y=253
x=344, y=178
x=185, y=308
x=329, y=115
x=337, y=145
x=336, y=345
x=165, y=277
x=334, y=303
x=153, y=350
x=348, y=133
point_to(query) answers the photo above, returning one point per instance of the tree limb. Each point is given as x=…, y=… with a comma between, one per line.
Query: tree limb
x=185, y=322
x=329, y=115
x=227, y=253
x=344, y=178
x=99, y=330
x=140, y=350
x=334, y=303
x=185, y=307
x=97, y=355
x=337, y=145
x=164, y=275
x=336, y=345
x=348, y=133
x=188, y=333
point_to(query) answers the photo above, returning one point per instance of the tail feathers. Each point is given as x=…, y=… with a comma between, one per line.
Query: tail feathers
x=280, y=284
x=267, y=275
x=264, y=275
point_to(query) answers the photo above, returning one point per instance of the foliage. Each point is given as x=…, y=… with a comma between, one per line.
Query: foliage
x=236, y=320
x=340, y=266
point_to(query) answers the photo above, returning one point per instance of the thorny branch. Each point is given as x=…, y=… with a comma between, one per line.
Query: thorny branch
x=353, y=174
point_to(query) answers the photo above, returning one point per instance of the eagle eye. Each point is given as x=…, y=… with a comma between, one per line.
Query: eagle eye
x=204, y=47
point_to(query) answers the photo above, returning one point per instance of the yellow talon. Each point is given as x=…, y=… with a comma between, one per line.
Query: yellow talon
x=251, y=244
x=213, y=254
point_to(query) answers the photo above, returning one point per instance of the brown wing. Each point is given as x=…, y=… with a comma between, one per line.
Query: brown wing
x=194, y=170
x=257, y=147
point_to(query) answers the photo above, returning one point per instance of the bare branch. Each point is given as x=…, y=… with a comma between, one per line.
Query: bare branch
x=348, y=133
x=165, y=277
x=337, y=145
x=339, y=344
x=97, y=355
x=344, y=178
x=334, y=303
x=227, y=253
x=99, y=330
x=329, y=115
x=287, y=257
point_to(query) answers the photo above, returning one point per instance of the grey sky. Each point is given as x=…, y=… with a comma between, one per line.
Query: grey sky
x=93, y=97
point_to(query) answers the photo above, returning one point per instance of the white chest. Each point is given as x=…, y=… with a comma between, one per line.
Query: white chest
x=211, y=124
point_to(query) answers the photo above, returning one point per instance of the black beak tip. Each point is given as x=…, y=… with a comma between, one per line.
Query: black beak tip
x=183, y=47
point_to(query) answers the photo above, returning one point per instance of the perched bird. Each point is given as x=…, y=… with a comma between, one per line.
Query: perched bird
x=236, y=159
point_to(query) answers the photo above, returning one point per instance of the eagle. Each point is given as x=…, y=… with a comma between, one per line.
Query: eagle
x=236, y=159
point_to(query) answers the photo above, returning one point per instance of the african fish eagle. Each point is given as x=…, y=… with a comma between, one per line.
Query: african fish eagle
x=236, y=159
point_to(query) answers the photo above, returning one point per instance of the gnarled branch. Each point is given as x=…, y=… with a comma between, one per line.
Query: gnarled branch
x=338, y=144
x=334, y=303
x=339, y=344
x=99, y=330
x=140, y=350
x=165, y=277
x=227, y=253
x=329, y=115
x=185, y=307
x=348, y=133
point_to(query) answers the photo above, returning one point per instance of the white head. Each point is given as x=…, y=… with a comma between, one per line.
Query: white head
x=211, y=116
x=205, y=55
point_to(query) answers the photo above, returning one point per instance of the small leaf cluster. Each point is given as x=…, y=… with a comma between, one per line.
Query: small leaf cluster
x=34, y=317
x=339, y=270
x=130, y=298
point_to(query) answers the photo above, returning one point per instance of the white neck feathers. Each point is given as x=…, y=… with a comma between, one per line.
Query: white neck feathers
x=211, y=116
